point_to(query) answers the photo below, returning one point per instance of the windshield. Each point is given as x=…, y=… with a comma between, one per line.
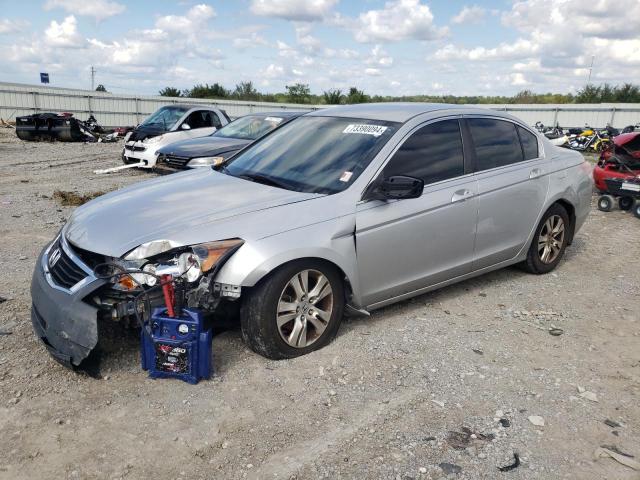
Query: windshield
x=249, y=127
x=313, y=154
x=165, y=116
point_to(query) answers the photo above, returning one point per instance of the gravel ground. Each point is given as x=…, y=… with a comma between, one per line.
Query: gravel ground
x=442, y=386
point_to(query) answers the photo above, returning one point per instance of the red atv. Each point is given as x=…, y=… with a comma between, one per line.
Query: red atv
x=620, y=163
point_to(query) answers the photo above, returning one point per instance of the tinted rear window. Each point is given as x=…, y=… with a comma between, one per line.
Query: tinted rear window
x=433, y=153
x=496, y=143
x=529, y=143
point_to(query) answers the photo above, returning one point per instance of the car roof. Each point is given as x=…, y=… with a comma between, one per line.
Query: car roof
x=398, y=112
x=278, y=113
x=190, y=106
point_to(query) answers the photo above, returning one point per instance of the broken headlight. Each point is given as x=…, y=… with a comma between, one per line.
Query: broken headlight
x=164, y=257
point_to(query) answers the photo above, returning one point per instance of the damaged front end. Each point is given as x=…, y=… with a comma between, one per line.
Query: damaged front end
x=74, y=289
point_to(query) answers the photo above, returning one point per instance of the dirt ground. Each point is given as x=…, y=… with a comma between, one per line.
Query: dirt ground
x=444, y=384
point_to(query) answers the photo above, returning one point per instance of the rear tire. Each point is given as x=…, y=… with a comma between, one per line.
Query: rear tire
x=605, y=203
x=284, y=316
x=636, y=208
x=625, y=203
x=549, y=241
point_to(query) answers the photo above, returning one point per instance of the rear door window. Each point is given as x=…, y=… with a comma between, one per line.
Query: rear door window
x=203, y=119
x=433, y=153
x=496, y=143
x=529, y=143
x=213, y=120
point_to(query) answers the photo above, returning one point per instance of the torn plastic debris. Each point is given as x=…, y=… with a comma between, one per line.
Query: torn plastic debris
x=512, y=466
x=622, y=459
x=121, y=167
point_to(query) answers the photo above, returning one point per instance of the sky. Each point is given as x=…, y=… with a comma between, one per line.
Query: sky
x=394, y=47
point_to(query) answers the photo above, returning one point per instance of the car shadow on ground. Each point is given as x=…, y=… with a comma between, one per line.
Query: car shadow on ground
x=430, y=299
x=119, y=345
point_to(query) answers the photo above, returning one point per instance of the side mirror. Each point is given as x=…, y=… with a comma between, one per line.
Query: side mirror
x=397, y=187
x=185, y=126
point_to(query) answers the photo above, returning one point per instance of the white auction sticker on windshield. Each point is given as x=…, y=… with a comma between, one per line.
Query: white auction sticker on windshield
x=346, y=176
x=375, y=130
x=273, y=119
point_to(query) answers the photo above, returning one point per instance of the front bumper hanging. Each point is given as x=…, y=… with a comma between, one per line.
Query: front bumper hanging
x=66, y=324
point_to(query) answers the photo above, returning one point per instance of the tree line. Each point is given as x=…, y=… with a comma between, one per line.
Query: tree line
x=301, y=93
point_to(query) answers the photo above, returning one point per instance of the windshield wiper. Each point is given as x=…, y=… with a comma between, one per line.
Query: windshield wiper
x=266, y=180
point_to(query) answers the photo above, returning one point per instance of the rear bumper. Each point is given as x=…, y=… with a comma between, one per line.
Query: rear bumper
x=66, y=325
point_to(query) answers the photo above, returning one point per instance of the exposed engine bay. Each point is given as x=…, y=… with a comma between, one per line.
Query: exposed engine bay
x=140, y=273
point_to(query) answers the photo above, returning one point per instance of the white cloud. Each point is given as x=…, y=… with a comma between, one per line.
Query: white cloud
x=195, y=17
x=64, y=34
x=12, y=26
x=472, y=14
x=398, y=20
x=521, y=48
x=307, y=41
x=374, y=72
x=272, y=71
x=252, y=41
x=98, y=9
x=285, y=50
x=298, y=10
x=379, y=58
x=518, y=80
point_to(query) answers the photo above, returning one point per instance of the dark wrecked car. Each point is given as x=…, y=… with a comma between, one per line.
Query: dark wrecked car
x=62, y=127
x=220, y=145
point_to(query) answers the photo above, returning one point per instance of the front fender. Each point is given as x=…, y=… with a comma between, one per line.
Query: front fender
x=331, y=240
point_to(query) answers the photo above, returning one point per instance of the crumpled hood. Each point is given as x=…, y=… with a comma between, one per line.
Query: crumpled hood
x=141, y=132
x=203, y=146
x=188, y=207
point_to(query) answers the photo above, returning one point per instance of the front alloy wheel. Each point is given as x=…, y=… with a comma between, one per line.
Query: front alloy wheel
x=296, y=309
x=304, y=308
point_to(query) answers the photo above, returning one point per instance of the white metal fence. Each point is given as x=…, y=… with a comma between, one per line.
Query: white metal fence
x=122, y=110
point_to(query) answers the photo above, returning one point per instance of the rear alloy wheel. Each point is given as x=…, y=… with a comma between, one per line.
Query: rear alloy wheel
x=625, y=203
x=293, y=311
x=605, y=203
x=549, y=242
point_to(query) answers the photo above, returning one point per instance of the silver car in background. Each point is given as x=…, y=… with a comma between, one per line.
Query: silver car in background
x=346, y=209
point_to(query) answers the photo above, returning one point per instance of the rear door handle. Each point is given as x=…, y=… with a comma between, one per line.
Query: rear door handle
x=536, y=172
x=461, y=195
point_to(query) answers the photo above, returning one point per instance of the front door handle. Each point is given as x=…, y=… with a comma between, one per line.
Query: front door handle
x=461, y=195
x=536, y=172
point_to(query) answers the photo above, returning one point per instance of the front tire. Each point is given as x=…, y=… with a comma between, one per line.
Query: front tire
x=295, y=310
x=549, y=241
x=605, y=203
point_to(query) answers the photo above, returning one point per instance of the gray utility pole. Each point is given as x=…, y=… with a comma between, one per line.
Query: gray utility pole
x=93, y=77
x=590, y=69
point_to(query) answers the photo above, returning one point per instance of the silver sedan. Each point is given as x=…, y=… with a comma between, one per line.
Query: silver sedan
x=342, y=210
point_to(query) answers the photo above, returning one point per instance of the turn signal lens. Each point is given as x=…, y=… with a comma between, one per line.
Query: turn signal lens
x=211, y=253
x=125, y=282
